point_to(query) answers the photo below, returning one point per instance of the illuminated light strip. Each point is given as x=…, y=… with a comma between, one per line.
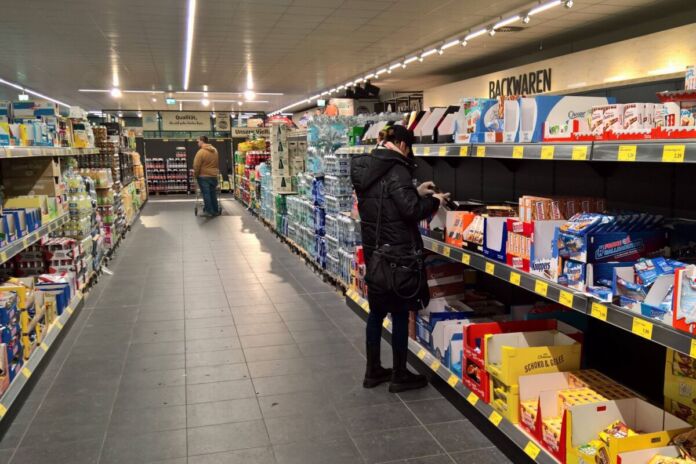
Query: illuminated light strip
x=381, y=71
x=543, y=7
x=190, y=28
x=478, y=33
x=32, y=92
x=450, y=44
x=506, y=22
x=428, y=53
x=122, y=91
x=410, y=60
x=394, y=66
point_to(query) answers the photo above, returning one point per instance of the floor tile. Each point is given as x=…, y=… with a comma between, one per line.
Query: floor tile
x=143, y=447
x=216, y=373
x=223, y=412
x=270, y=353
x=289, y=429
x=459, y=436
x=214, y=358
x=434, y=411
x=244, y=456
x=76, y=452
x=219, y=391
x=227, y=437
x=391, y=445
x=137, y=421
x=339, y=451
x=377, y=417
x=481, y=456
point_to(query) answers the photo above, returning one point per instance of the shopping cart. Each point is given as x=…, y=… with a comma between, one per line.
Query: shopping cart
x=198, y=204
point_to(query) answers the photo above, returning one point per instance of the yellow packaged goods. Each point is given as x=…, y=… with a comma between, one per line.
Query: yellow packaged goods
x=510, y=355
x=23, y=287
x=551, y=433
x=617, y=429
x=680, y=384
x=505, y=399
x=669, y=460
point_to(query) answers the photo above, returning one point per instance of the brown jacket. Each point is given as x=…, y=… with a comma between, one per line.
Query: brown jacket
x=205, y=164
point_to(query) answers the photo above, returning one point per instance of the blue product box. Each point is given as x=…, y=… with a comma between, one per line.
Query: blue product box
x=609, y=246
x=8, y=315
x=19, y=220
x=14, y=368
x=14, y=349
x=9, y=332
x=61, y=291
x=426, y=324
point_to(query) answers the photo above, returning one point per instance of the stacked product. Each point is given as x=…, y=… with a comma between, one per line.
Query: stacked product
x=35, y=178
x=177, y=174
x=680, y=386
x=81, y=205
x=156, y=175
x=66, y=256
x=254, y=153
x=11, y=351
x=32, y=313
x=139, y=174
x=280, y=159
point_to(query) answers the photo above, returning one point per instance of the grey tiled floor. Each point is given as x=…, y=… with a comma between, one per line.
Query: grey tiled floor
x=213, y=344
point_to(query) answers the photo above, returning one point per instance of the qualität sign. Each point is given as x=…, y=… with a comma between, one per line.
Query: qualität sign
x=185, y=121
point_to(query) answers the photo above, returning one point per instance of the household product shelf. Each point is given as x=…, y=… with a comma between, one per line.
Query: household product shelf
x=37, y=152
x=514, y=434
x=11, y=395
x=622, y=318
x=9, y=251
x=664, y=151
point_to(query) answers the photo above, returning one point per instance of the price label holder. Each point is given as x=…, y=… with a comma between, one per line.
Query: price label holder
x=446, y=250
x=463, y=151
x=547, y=152
x=435, y=365
x=426, y=151
x=453, y=380
x=421, y=354
x=490, y=268
x=579, y=153
x=598, y=311
x=627, y=153
x=692, y=350
x=515, y=278
x=673, y=153
x=442, y=151
x=541, y=287
x=642, y=328
x=518, y=152
x=532, y=450
x=481, y=151
x=566, y=298
x=495, y=418
x=472, y=398
x=466, y=258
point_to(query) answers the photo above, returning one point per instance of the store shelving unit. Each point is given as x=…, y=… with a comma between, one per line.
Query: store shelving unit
x=43, y=152
x=426, y=359
x=635, y=323
x=13, y=394
x=652, y=151
x=9, y=251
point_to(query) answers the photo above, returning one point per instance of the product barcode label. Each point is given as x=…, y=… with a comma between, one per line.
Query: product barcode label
x=627, y=152
x=599, y=311
x=480, y=151
x=642, y=328
x=541, y=287
x=453, y=380
x=547, y=152
x=579, y=153
x=518, y=151
x=515, y=278
x=472, y=398
x=566, y=298
x=490, y=268
x=673, y=153
x=532, y=450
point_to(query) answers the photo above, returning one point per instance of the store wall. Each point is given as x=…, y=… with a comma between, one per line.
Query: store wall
x=648, y=58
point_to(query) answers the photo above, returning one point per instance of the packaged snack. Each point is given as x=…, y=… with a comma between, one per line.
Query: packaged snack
x=617, y=429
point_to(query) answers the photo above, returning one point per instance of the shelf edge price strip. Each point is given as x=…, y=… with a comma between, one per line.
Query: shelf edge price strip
x=442, y=151
x=579, y=153
x=480, y=151
x=435, y=365
x=495, y=418
x=490, y=268
x=598, y=311
x=642, y=328
x=515, y=278
x=627, y=153
x=541, y=287
x=453, y=380
x=566, y=298
x=472, y=398
x=466, y=258
x=463, y=151
x=692, y=350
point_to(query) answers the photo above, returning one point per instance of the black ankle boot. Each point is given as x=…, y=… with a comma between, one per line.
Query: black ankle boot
x=402, y=378
x=375, y=374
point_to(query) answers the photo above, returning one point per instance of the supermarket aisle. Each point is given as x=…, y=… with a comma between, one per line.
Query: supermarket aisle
x=212, y=343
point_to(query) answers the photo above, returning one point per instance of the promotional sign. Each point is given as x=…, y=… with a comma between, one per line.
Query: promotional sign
x=244, y=132
x=150, y=121
x=538, y=81
x=222, y=122
x=343, y=106
x=185, y=121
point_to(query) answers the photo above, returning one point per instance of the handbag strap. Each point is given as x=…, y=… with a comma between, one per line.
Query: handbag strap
x=379, y=213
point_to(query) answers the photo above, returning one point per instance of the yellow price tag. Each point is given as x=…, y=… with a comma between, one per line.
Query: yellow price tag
x=446, y=251
x=692, y=350
x=43, y=346
x=26, y=372
x=365, y=305
x=3, y=410
x=3, y=257
x=59, y=325
x=495, y=418
x=453, y=380
x=26, y=242
x=69, y=309
x=466, y=258
x=598, y=311
x=518, y=151
x=627, y=153
x=547, y=152
x=642, y=328
x=490, y=268
x=463, y=151
x=385, y=324
x=481, y=151
x=435, y=365
x=515, y=278
x=541, y=287
x=673, y=153
x=472, y=398
x=579, y=153
x=442, y=151
x=532, y=450
x=421, y=354
x=566, y=299
x=426, y=151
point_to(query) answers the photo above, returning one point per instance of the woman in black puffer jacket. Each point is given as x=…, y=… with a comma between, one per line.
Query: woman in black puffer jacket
x=390, y=167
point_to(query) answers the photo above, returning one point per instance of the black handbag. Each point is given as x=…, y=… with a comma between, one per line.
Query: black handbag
x=396, y=269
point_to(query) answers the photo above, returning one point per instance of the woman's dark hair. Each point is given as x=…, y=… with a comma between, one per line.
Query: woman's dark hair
x=397, y=134
x=203, y=138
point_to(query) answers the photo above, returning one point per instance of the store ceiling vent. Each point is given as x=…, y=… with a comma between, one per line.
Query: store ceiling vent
x=510, y=29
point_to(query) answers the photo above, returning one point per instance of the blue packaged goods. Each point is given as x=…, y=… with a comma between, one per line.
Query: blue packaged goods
x=8, y=307
x=9, y=332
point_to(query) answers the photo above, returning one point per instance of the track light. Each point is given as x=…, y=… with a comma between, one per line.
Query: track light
x=140, y=114
x=239, y=103
x=205, y=102
x=120, y=115
x=154, y=100
x=440, y=51
x=420, y=58
x=116, y=92
x=451, y=43
x=464, y=43
x=491, y=32
x=543, y=7
x=568, y=4
x=526, y=18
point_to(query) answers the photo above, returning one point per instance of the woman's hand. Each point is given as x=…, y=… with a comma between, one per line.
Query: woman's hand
x=443, y=197
x=426, y=188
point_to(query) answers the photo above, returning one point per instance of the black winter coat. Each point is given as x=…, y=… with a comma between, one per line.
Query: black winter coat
x=402, y=207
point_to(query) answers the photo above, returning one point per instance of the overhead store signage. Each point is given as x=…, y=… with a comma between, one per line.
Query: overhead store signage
x=341, y=106
x=244, y=132
x=222, y=122
x=523, y=84
x=170, y=101
x=185, y=121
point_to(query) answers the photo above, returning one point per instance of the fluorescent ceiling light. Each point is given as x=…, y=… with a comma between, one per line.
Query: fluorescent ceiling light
x=428, y=53
x=341, y=87
x=506, y=22
x=369, y=76
x=140, y=114
x=205, y=102
x=543, y=7
x=410, y=60
x=394, y=66
x=381, y=71
x=450, y=44
x=190, y=27
x=116, y=92
x=121, y=90
x=249, y=94
x=478, y=33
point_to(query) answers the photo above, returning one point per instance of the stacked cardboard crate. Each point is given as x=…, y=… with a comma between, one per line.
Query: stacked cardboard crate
x=280, y=159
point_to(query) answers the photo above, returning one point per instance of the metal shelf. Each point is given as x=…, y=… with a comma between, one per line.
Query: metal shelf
x=437, y=150
x=357, y=150
x=38, y=152
x=11, y=395
x=658, y=151
x=15, y=247
x=644, y=327
x=534, y=151
x=532, y=449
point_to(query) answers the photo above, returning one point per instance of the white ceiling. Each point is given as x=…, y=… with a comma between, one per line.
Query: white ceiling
x=292, y=46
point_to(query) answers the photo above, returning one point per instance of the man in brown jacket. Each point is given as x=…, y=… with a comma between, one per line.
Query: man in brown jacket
x=206, y=170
